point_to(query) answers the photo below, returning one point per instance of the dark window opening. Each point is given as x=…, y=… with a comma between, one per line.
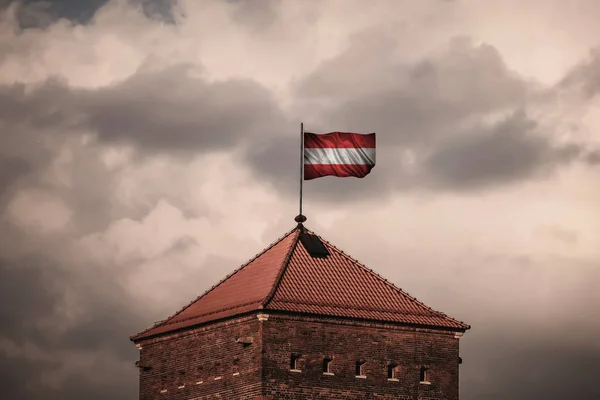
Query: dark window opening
x=294, y=364
x=142, y=367
x=236, y=365
x=327, y=365
x=424, y=374
x=313, y=245
x=392, y=371
x=360, y=368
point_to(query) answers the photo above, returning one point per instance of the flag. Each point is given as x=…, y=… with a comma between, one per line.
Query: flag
x=340, y=154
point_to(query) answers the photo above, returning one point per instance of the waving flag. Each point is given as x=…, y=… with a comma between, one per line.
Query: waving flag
x=340, y=154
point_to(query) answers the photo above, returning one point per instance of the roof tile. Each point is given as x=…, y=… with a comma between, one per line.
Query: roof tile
x=285, y=277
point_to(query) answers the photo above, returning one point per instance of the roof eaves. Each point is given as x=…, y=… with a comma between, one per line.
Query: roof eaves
x=144, y=335
x=377, y=320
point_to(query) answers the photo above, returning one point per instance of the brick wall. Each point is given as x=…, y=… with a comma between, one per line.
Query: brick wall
x=376, y=345
x=210, y=352
x=201, y=355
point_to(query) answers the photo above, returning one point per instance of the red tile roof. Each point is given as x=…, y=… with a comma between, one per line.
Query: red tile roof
x=285, y=277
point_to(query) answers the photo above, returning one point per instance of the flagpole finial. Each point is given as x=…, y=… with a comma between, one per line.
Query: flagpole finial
x=300, y=219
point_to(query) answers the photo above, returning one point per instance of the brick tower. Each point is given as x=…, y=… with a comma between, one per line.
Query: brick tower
x=302, y=320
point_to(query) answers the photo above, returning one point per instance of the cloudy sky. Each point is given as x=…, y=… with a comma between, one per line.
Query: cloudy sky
x=142, y=141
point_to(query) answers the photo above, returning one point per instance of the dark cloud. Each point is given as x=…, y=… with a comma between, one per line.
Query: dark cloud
x=166, y=110
x=436, y=111
x=42, y=13
x=584, y=77
x=255, y=15
x=33, y=304
x=34, y=292
x=160, y=10
x=507, y=151
x=593, y=157
x=411, y=103
x=171, y=110
x=11, y=169
x=523, y=370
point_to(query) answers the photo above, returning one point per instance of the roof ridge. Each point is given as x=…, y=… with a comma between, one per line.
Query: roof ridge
x=388, y=283
x=163, y=322
x=283, y=269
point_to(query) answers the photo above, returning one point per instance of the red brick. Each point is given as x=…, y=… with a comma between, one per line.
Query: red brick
x=207, y=352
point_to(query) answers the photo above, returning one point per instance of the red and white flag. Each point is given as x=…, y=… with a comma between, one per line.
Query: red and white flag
x=341, y=154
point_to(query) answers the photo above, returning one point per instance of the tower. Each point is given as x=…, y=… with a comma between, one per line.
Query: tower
x=301, y=320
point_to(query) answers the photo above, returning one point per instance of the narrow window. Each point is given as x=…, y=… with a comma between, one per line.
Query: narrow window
x=393, y=371
x=360, y=368
x=181, y=379
x=236, y=366
x=327, y=365
x=294, y=364
x=424, y=375
x=218, y=370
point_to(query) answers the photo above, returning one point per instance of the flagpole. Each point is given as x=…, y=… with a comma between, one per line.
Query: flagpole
x=301, y=218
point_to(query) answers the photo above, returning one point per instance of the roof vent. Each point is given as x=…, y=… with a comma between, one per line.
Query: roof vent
x=313, y=245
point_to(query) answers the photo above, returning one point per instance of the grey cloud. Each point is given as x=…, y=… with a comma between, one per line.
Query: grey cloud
x=11, y=170
x=436, y=109
x=167, y=111
x=17, y=376
x=38, y=106
x=37, y=283
x=584, y=77
x=255, y=15
x=423, y=107
x=40, y=14
x=161, y=111
x=506, y=151
x=593, y=157
x=37, y=303
x=522, y=370
x=533, y=324
x=412, y=103
x=33, y=290
x=172, y=110
x=160, y=10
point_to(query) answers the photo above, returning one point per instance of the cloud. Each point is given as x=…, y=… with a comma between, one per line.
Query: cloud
x=163, y=110
x=584, y=77
x=458, y=120
x=147, y=150
x=172, y=110
x=543, y=369
x=35, y=14
x=40, y=346
x=506, y=151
